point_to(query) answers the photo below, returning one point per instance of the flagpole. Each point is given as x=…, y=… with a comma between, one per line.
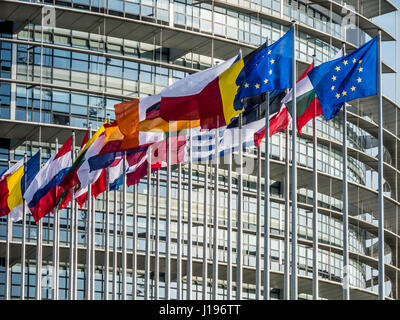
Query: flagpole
x=168, y=222
x=215, y=235
x=115, y=253
x=381, y=209
x=7, y=262
x=205, y=229
x=315, y=207
x=107, y=242
x=286, y=290
x=23, y=244
x=229, y=226
x=346, y=291
x=294, y=172
x=179, y=236
x=157, y=235
x=88, y=234
x=39, y=250
x=258, y=232
x=55, y=245
x=124, y=233
x=93, y=243
x=239, y=218
x=72, y=244
x=190, y=222
x=134, y=244
x=148, y=236
x=75, y=239
x=267, y=257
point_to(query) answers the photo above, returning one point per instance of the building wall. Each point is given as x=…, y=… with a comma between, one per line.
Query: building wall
x=73, y=77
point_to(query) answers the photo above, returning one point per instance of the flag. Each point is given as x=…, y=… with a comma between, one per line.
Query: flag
x=150, y=119
x=85, y=176
x=138, y=162
x=184, y=99
x=203, y=142
x=308, y=105
x=117, y=141
x=265, y=69
x=13, y=184
x=41, y=195
x=344, y=79
x=71, y=179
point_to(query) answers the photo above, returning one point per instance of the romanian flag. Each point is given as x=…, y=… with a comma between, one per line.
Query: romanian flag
x=13, y=184
x=206, y=96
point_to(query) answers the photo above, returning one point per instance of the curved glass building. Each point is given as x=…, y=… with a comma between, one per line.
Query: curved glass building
x=65, y=63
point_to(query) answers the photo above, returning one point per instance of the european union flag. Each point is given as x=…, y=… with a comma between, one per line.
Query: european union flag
x=350, y=77
x=265, y=69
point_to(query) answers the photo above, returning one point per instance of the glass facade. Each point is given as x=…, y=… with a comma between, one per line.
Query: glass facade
x=71, y=78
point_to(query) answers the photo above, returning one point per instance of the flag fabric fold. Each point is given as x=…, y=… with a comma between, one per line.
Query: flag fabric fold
x=266, y=69
x=13, y=184
x=347, y=78
x=42, y=194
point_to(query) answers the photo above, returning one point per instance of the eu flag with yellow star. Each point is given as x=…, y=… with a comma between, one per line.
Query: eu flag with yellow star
x=265, y=69
x=350, y=77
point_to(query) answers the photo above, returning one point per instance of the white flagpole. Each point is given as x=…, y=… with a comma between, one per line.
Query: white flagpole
x=239, y=218
x=179, y=237
x=134, y=245
x=346, y=290
x=315, y=208
x=215, y=233
x=190, y=221
x=229, y=226
x=55, y=246
x=286, y=289
x=115, y=253
x=258, y=232
x=266, y=202
x=205, y=235
x=267, y=259
x=124, y=233
x=23, y=244
x=88, y=235
x=168, y=222
x=93, y=244
x=39, y=251
x=148, y=235
x=7, y=262
x=294, y=172
x=72, y=244
x=381, y=209
x=157, y=236
x=107, y=237
x=75, y=240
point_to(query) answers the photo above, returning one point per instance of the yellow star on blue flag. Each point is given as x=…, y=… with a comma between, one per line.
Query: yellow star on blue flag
x=347, y=78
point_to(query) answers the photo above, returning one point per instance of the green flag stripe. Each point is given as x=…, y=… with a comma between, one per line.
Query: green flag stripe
x=303, y=103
